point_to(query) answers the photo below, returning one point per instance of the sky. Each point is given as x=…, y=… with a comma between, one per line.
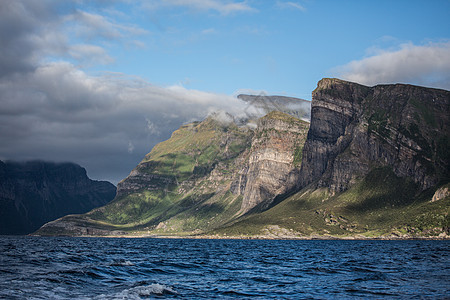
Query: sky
x=99, y=83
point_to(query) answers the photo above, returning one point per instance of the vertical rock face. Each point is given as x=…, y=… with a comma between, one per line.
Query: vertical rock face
x=273, y=166
x=34, y=193
x=354, y=127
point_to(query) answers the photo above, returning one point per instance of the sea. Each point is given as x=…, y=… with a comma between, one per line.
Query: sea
x=152, y=268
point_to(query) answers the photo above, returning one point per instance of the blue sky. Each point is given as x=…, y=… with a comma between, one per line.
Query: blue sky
x=281, y=47
x=101, y=82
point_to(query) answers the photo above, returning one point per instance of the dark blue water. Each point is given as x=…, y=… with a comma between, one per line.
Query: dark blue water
x=95, y=268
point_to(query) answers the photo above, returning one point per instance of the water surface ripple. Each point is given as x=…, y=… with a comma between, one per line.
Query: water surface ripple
x=96, y=268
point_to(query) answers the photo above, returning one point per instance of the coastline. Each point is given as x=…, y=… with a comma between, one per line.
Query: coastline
x=257, y=237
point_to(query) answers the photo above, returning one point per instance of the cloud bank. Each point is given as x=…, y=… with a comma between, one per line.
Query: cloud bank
x=427, y=65
x=105, y=123
x=50, y=109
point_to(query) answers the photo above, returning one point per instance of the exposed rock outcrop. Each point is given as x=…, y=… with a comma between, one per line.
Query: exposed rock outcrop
x=140, y=179
x=355, y=128
x=33, y=193
x=273, y=166
x=441, y=193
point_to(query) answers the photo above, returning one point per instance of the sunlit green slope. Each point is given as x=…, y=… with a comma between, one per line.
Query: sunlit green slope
x=182, y=185
x=381, y=204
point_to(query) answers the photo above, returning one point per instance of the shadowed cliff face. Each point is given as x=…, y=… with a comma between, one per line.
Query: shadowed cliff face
x=34, y=193
x=355, y=128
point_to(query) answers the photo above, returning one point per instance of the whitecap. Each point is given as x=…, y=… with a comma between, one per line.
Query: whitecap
x=122, y=262
x=141, y=292
x=154, y=289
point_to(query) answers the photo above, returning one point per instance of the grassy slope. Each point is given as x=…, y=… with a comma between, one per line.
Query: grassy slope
x=380, y=204
x=194, y=201
x=189, y=155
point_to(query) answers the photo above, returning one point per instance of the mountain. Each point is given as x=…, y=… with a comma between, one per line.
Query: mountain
x=36, y=192
x=207, y=174
x=355, y=127
x=373, y=162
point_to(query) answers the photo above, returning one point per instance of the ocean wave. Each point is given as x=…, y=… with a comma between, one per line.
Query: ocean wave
x=121, y=262
x=141, y=292
x=208, y=269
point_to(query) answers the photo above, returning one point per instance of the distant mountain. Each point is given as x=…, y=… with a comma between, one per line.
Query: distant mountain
x=33, y=193
x=373, y=162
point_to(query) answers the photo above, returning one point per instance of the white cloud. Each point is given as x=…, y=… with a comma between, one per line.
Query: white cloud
x=50, y=109
x=91, y=54
x=222, y=7
x=130, y=147
x=290, y=5
x=92, y=26
x=152, y=128
x=209, y=31
x=427, y=65
x=106, y=123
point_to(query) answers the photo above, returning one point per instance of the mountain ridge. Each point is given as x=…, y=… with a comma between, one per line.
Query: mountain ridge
x=205, y=175
x=369, y=165
x=35, y=192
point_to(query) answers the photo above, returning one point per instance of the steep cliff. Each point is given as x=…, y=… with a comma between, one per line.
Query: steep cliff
x=375, y=164
x=355, y=128
x=207, y=174
x=34, y=193
x=273, y=166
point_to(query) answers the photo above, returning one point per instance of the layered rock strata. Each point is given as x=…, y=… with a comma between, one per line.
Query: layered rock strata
x=355, y=127
x=273, y=166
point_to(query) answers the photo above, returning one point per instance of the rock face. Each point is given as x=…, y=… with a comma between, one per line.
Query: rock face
x=375, y=164
x=273, y=166
x=34, y=193
x=355, y=128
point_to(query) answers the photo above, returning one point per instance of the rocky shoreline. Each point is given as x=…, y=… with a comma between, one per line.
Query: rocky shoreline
x=391, y=237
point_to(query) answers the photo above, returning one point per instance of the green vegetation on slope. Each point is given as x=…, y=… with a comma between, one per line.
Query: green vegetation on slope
x=380, y=204
x=180, y=192
x=192, y=183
